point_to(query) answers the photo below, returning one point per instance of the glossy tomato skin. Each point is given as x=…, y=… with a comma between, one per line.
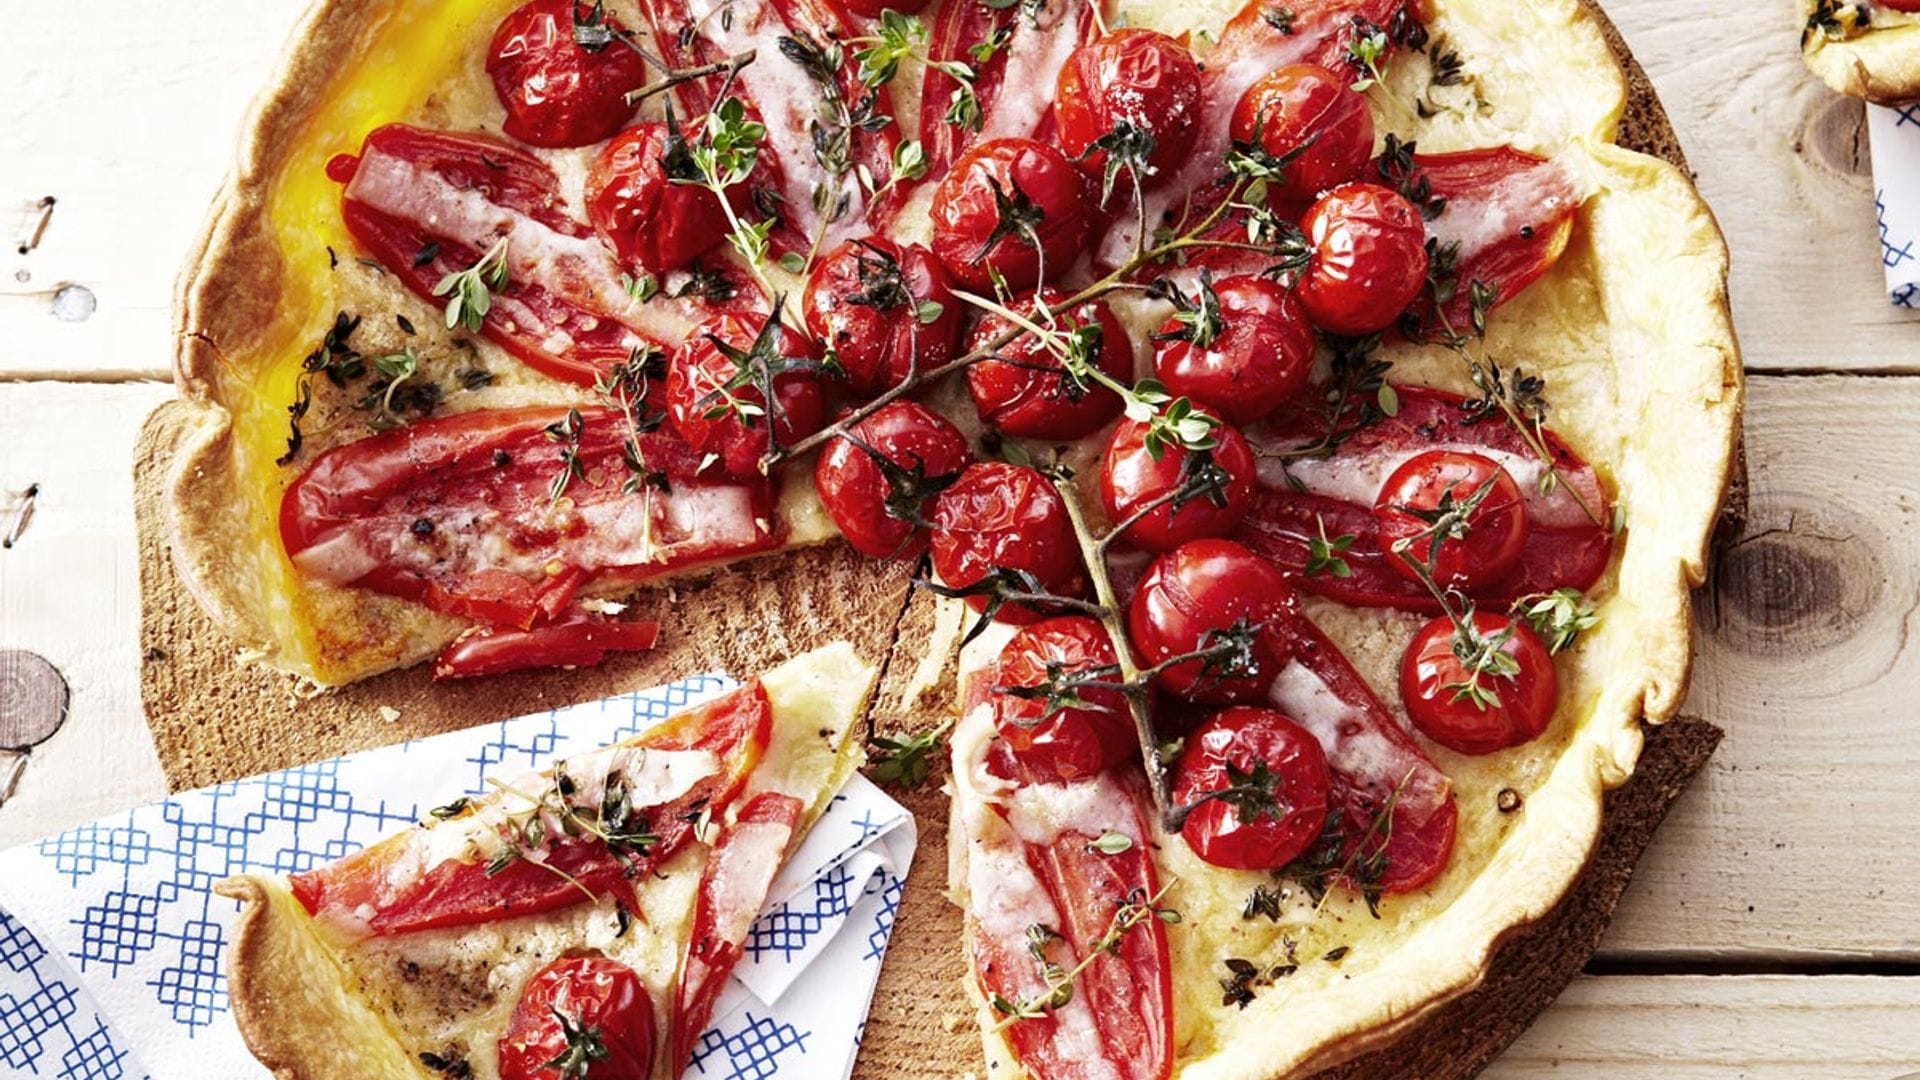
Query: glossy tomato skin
x=925, y=452
x=1009, y=516
x=1070, y=743
x=862, y=301
x=966, y=213
x=1368, y=262
x=1300, y=102
x=698, y=369
x=557, y=93
x=873, y=9
x=1496, y=529
x=1429, y=671
x=592, y=993
x=1131, y=476
x=1242, y=837
x=1141, y=77
x=1024, y=391
x=652, y=223
x=1208, y=586
x=1262, y=356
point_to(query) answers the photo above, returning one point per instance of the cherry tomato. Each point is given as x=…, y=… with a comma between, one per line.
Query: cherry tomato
x=1506, y=709
x=698, y=397
x=865, y=300
x=1307, y=105
x=1025, y=390
x=1216, y=486
x=580, y=1009
x=877, y=489
x=652, y=223
x=1015, y=206
x=1481, y=548
x=1005, y=516
x=1069, y=742
x=1259, y=355
x=1142, y=78
x=556, y=92
x=1369, y=259
x=1270, y=808
x=1204, y=594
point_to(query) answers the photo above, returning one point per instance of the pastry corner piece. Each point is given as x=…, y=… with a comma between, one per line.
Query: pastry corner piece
x=1864, y=48
x=592, y=909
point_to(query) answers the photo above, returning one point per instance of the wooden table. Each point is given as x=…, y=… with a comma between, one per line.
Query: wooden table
x=1774, y=928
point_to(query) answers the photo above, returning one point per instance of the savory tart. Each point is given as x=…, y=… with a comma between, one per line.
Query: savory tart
x=575, y=922
x=1310, y=421
x=1865, y=48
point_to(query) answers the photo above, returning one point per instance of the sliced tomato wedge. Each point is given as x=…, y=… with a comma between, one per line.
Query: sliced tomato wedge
x=1567, y=544
x=426, y=204
x=1508, y=213
x=790, y=39
x=1254, y=43
x=733, y=888
x=460, y=512
x=1014, y=88
x=500, y=867
x=1042, y=893
x=578, y=642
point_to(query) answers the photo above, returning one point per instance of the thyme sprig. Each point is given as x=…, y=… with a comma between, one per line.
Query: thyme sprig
x=1131, y=911
x=756, y=367
x=470, y=292
x=905, y=760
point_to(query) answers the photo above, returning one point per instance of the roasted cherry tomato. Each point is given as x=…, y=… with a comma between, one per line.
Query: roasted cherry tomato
x=1305, y=105
x=1014, y=206
x=1064, y=742
x=1258, y=784
x=1369, y=259
x=1208, y=491
x=1475, y=547
x=652, y=223
x=730, y=422
x=878, y=485
x=1504, y=705
x=1214, y=594
x=557, y=92
x=1141, y=78
x=1241, y=352
x=1026, y=391
x=580, y=1011
x=883, y=309
x=1009, y=517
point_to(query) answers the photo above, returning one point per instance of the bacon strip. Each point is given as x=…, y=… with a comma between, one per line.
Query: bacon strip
x=459, y=513
x=1564, y=547
x=779, y=90
x=1015, y=88
x=1508, y=217
x=426, y=204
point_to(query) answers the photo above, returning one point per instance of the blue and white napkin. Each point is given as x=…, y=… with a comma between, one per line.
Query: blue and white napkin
x=1895, y=133
x=113, y=948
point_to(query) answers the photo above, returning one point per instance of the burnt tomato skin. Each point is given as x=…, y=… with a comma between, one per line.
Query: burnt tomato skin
x=1307, y=105
x=1368, y=261
x=1496, y=529
x=1261, y=357
x=1072, y=742
x=1206, y=588
x=863, y=302
x=1010, y=517
x=1135, y=76
x=698, y=371
x=1046, y=214
x=591, y=993
x=557, y=93
x=1131, y=476
x=1025, y=391
x=1431, y=677
x=654, y=224
x=881, y=509
x=1258, y=784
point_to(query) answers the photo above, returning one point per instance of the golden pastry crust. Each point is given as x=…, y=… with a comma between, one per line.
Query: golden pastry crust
x=1863, y=50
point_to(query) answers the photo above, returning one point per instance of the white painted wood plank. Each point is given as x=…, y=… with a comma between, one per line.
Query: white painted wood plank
x=1743, y=1027
x=70, y=591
